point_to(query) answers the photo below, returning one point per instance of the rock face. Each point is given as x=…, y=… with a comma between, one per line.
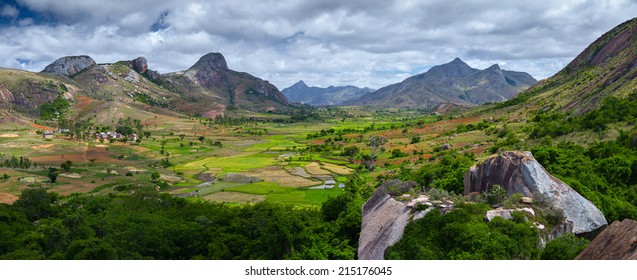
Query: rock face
x=617, y=242
x=384, y=221
x=69, y=65
x=519, y=172
x=140, y=64
x=384, y=218
x=209, y=70
x=212, y=75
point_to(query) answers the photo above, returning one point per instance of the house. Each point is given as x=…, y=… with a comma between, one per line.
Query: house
x=133, y=137
x=48, y=135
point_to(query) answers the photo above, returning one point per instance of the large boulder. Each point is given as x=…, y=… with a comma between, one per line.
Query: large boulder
x=520, y=172
x=617, y=242
x=69, y=65
x=140, y=64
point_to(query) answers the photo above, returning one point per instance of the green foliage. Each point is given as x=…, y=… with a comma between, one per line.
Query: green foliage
x=513, y=200
x=463, y=233
x=155, y=176
x=66, y=165
x=605, y=173
x=125, y=130
x=53, y=175
x=396, y=153
x=149, y=225
x=565, y=247
x=447, y=174
x=36, y=203
x=52, y=110
x=495, y=195
x=612, y=110
x=415, y=139
x=17, y=162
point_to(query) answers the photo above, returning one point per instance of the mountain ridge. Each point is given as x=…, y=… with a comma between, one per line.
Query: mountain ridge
x=300, y=92
x=453, y=82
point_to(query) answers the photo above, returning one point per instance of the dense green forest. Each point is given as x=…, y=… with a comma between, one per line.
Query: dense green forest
x=149, y=225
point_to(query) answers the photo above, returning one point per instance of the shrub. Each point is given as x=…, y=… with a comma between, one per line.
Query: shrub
x=513, y=200
x=496, y=194
x=565, y=247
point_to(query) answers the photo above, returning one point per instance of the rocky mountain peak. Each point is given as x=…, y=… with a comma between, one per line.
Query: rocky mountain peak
x=211, y=62
x=494, y=67
x=454, y=69
x=69, y=65
x=300, y=84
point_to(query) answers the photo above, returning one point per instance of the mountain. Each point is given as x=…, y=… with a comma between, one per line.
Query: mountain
x=206, y=89
x=210, y=80
x=317, y=96
x=607, y=67
x=454, y=82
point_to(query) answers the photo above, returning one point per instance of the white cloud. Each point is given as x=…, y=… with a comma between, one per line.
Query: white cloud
x=9, y=11
x=365, y=43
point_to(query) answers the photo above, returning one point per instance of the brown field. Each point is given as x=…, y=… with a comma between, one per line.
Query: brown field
x=234, y=197
x=280, y=176
x=315, y=169
x=100, y=154
x=7, y=198
x=338, y=169
x=9, y=135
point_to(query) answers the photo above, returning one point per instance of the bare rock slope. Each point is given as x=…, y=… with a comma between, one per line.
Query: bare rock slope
x=520, y=172
x=69, y=65
x=617, y=242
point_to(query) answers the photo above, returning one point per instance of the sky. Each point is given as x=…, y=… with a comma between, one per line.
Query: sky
x=366, y=43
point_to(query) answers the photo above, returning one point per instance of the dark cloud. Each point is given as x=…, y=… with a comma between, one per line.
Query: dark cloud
x=330, y=42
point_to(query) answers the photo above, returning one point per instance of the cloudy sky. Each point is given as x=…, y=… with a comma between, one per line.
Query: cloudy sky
x=323, y=42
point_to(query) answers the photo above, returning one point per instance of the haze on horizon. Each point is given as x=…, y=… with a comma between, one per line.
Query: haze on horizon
x=361, y=43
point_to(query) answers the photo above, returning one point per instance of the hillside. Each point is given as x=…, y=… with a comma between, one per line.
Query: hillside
x=454, y=82
x=607, y=67
x=103, y=90
x=318, y=96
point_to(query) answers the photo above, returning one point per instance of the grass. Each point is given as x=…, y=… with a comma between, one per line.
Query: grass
x=238, y=163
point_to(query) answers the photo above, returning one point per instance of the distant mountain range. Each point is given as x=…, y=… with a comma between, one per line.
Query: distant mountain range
x=454, y=82
x=318, y=96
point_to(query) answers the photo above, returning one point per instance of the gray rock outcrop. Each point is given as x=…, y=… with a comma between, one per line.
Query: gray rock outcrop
x=69, y=65
x=384, y=218
x=384, y=221
x=520, y=172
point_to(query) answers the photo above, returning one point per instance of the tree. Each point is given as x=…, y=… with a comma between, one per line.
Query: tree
x=201, y=139
x=181, y=136
x=155, y=176
x=67, y=165
x=36, y=203
x=375, y=143
x=147, y=134
x=350, y=152
x=124, y=130
x=53, y=175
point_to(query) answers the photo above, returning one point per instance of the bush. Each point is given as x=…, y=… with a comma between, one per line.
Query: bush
x=496, y=194
x=129, y=174
x=513, y=200
x=565, y=247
